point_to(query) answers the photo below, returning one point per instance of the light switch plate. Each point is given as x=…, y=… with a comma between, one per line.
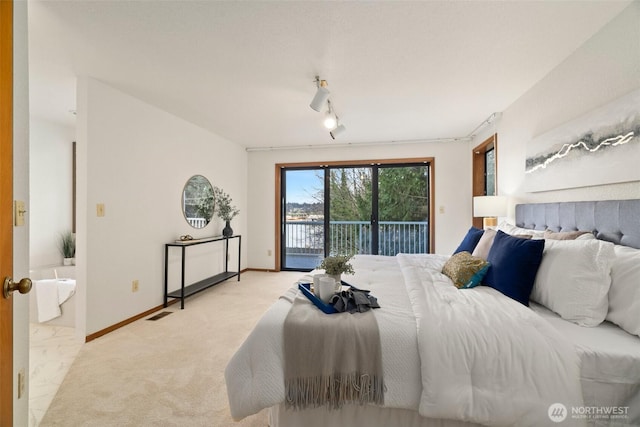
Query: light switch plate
x=100, y=209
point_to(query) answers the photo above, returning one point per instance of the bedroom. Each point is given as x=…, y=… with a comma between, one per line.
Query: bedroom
x=557, y=98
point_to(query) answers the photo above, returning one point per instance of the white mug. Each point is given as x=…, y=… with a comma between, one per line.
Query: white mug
x=316, y=283
x=327, y=288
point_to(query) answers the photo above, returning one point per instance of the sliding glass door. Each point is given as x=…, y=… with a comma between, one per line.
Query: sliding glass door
x=350, y=211
x=403, y=209
x=374, y=209
x=302, y=219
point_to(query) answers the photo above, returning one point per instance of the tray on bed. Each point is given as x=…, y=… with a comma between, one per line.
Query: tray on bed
x=326, y=308
x=306, y=290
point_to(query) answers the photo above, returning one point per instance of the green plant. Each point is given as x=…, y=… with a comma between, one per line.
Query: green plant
x=67, y=244
x=337, y=264
x=223, y=205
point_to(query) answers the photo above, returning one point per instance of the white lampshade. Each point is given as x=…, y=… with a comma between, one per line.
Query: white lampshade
x=489, y=207
x=322, y=94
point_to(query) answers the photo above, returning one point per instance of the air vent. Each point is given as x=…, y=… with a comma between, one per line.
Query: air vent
x=160, y=315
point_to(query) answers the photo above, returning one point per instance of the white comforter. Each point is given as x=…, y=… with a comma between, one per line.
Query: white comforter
x=470, y=355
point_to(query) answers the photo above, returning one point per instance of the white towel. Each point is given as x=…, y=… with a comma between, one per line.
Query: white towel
x=50, y=294
x=66, y=289
x=47, y=297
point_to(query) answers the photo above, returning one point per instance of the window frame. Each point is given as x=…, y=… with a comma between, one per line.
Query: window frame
x=479, y=171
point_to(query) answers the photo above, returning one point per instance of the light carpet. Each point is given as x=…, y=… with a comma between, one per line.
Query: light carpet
x=168, y=372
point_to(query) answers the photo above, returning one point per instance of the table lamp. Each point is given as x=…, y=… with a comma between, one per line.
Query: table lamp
x=489, y=208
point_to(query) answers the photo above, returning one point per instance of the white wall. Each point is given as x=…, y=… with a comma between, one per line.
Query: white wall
x=136, y=158
x=605, y=68
x=20, y=192
x=452, y=189
x=50, y=189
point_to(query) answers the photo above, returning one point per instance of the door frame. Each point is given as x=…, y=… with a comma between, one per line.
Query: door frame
x=6, y=209
x=279, y=196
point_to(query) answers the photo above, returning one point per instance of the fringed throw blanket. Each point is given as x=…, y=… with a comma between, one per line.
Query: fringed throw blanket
x=332, y=359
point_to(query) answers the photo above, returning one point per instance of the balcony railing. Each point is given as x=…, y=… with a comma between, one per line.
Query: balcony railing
x=197, y=222
x=306, y=238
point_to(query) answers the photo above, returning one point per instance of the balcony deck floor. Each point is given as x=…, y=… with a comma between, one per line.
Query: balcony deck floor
x=302, y=262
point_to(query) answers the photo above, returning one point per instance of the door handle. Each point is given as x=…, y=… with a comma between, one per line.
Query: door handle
x=23, y=286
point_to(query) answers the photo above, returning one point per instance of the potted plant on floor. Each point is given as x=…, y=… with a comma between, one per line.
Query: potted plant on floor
x=67, y=246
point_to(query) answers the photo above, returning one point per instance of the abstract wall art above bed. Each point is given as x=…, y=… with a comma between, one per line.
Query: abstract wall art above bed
x=600, y=147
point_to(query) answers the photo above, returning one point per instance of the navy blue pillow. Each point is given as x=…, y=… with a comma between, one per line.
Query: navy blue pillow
x=470, y=241
x=514, y=265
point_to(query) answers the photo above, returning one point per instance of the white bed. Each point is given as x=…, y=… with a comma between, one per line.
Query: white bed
x=439, y=359
x=610, y=365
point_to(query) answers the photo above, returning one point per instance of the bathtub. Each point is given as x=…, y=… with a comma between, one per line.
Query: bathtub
x=68, y=308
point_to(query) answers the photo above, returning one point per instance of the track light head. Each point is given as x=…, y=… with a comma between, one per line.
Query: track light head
x=337, y=131
x=321, y=96
x=330, y=121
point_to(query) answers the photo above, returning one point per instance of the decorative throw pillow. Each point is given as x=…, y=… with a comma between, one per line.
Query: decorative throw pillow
x=484, y=244
x=574, y=279
x=514, y=265
x=564, y=235
x=624, y=294
x=523, y=236
x=465, y=270
x=470, y=240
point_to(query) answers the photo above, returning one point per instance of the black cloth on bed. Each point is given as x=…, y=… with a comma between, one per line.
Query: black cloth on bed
x=353, y=300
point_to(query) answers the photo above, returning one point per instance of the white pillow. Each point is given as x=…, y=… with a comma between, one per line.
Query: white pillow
x=624, y=295
x=565, y=235
x=574, y=278
x=484, y=244
x=513, y=230
x=587, y=236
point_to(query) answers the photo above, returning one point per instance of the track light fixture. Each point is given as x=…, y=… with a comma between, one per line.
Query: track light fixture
x=321, y=96
x=331, y=120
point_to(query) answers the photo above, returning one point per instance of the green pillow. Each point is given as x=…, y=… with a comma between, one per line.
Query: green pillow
x=465, y=270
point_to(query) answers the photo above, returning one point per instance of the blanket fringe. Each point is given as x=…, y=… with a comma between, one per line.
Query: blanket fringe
x=334, y=391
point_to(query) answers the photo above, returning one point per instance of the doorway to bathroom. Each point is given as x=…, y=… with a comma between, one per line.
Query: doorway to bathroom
x=53, y=342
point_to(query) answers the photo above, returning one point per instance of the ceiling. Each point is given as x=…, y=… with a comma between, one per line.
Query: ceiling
x=245, y=70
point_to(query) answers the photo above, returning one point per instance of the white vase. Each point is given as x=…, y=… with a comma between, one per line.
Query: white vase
x=67, y=261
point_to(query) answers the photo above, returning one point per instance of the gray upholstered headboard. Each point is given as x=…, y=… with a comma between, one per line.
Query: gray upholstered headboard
x=616, y=221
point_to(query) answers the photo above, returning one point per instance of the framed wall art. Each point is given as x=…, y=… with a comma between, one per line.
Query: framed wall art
x=600, y=147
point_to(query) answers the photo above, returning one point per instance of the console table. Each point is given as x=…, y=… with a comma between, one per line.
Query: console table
x=201, y=285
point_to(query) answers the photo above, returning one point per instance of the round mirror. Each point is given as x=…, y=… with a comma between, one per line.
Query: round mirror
x=197, y=201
